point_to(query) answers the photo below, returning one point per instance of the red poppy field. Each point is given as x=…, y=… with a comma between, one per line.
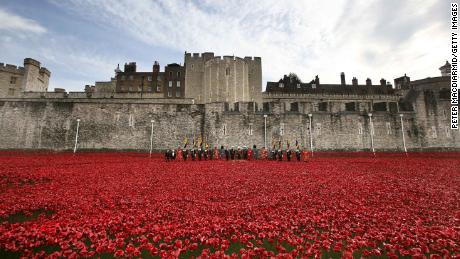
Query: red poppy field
x=127, y=205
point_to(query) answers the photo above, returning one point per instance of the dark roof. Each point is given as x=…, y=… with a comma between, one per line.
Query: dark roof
x=307, y=88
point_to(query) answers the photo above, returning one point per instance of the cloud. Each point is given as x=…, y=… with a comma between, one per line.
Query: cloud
x=15, y=23
x=374, y=38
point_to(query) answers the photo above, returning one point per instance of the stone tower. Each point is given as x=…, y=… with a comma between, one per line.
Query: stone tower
x=36, y=78
x=210, y=78
x=445, y=70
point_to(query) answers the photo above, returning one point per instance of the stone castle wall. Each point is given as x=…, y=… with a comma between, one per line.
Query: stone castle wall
x=124, y=123
x=212, y=78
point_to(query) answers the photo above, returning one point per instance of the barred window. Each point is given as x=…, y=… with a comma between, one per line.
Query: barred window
x=281, y=129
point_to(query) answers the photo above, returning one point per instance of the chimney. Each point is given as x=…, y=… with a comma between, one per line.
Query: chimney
x=342, y=78
x=317, y=80
x=156, y=67
x=383, y=82
x=354, y=81
x=368, y=81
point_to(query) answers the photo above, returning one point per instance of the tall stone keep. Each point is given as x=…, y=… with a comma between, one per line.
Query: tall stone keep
x=36, y=78
x=210, y=78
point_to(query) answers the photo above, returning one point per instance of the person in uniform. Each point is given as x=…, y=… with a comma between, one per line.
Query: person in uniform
x=216, y=154
x=173, y=154
x=245, y=152
x=280, y=151
x=238, y=153
x=227, y=153
x=250, y=154
x=232, y=153
x=288, y=151
x=273, y=153
x=255, y=152
x=263, y=154
x=179, y=154
x=222, y=152
x=167, y=155
x=297, y=151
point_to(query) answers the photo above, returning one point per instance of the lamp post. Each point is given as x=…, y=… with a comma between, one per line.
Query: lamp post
x=311, y=136
x=402, y=131
x=76, y=137
x=151, y=138
x=371, y=125
x=265, y=130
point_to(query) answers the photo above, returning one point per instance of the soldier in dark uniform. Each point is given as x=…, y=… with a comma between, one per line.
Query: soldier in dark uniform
x=227, y=153
x=222, y=152
x=297, y=151
x=238, y=153
x=193, y=153
x=280, y=155
x=232, y=153
x=200, y=153
x=255, y=152
x=245, y=153
x=167, y=155
x=185, y=154
x=288, y=155
x=273, y=153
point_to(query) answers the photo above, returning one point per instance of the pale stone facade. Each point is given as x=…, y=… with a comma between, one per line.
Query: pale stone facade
x=210, y=78
x=30, y=78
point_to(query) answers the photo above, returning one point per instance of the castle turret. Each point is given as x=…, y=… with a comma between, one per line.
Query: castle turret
x=383, y=82
x=36, y=78
x=342, y=79
x=445, y=70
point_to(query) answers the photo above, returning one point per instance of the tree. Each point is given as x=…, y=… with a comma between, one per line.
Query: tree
x=294, y=77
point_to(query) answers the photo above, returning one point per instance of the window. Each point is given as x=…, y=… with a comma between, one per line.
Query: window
x=322, y=107
x=388, y=126
x=298, y=86
x=131, y=120
x=123, y=77
x=281, y=85
x=178, y=74
x=169, y=94
x=149, y=78
x=350, y=107
x=281, y=129
x=434, y=134
x=192, y=66
x=170, y=83
x=250, y=129
x=178, y=83
x=11, y=91
x=313, y=86
x=131, y=77
x=360, y=129
x=177, y=94
x=13, y=80
x=158, y=78
x=318, y=129
x=149, y=89
x=170, y=74
x=224, y=129
x=227, y=71
x=158, y=88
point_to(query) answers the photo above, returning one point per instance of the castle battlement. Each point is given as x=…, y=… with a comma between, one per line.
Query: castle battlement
x=11, y=68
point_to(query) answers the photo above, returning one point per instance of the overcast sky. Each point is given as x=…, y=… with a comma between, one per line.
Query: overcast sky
x=82, y=41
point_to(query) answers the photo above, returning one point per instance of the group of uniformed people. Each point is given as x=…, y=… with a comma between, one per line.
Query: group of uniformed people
x=199, y=153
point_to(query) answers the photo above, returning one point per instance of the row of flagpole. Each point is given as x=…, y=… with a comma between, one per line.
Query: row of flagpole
x=265, y=135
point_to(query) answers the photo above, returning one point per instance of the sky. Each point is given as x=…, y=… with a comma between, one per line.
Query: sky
x=82, y=41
